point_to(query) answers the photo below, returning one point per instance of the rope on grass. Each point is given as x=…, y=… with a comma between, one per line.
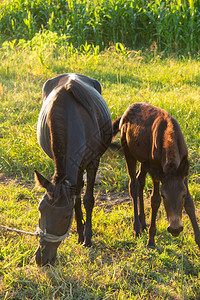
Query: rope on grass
x=21, y=231
x=43, y=234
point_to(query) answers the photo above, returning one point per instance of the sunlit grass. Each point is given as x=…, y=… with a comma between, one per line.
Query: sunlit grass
x=117, y=266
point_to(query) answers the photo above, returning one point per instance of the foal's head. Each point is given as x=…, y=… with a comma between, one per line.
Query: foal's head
x=174, y=191
x=55, y=218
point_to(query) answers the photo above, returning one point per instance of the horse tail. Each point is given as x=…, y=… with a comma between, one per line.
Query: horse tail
x=115, y=125
x=115, y=146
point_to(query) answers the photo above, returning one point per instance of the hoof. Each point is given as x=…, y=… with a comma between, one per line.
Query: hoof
x=151, y=244
x=151, y=247
x=80, y=240
x=137, y=235
x=88, y=245
x=198, y=243
x=144, y=228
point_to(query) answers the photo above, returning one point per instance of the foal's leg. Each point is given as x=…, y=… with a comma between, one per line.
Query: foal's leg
x=78, y=210
x=133, y=186
x=88, y=201
x=155, y=204
x=189, y=207
x=141, y=180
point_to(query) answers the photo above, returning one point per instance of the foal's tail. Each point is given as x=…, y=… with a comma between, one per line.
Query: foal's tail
x=115, y=125
x=114, y=145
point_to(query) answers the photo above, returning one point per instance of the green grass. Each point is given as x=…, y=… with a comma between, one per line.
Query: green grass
x=117, y=266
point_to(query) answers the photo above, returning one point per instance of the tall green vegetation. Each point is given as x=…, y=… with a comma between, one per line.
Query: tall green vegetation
x=170, y=26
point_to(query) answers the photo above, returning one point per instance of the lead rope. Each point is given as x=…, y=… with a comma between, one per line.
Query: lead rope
x=21, y=231
x=43, y=234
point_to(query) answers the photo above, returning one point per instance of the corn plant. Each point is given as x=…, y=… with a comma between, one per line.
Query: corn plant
x=171, y=25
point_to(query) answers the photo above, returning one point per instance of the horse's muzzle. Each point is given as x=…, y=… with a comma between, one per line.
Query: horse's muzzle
x=175, y=231
x=44, y=256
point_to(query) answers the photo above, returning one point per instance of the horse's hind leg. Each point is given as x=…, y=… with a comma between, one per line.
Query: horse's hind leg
x=141, y=180
x=189, y=207
x=88, y=201
x=78, y=210
x=133, y=185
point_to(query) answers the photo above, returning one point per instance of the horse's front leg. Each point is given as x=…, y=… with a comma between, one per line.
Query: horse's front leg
x=141, y=180
x=155, y=204
x=78, y=210
x=133, y=185
x=88, y=201
x=190, y=210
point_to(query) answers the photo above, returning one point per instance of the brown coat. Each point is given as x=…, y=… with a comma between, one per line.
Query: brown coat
x=154, y=138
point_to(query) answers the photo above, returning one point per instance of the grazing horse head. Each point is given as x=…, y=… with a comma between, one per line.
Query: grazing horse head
x=56, y=211
x=173, y=192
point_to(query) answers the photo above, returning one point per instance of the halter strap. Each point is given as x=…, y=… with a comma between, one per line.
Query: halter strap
x=48, y=237
x=44, y=235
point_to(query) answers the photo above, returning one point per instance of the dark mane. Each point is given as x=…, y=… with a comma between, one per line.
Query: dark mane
x=57, y=121
x=82, y=94
x=171, y=157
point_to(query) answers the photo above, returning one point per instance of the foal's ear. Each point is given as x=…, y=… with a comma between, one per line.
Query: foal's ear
x=40, y=180
x=183, y=169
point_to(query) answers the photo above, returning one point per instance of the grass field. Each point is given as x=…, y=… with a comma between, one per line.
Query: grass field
x=117, y=266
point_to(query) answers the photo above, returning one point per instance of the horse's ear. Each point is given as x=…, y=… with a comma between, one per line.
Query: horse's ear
x=40, y=180
x=183, y=169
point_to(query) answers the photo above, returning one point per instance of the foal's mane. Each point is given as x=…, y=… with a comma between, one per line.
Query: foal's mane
x=166, y=135
x=171, y=157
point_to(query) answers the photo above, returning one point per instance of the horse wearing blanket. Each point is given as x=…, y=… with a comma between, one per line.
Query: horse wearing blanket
x=74, y=129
